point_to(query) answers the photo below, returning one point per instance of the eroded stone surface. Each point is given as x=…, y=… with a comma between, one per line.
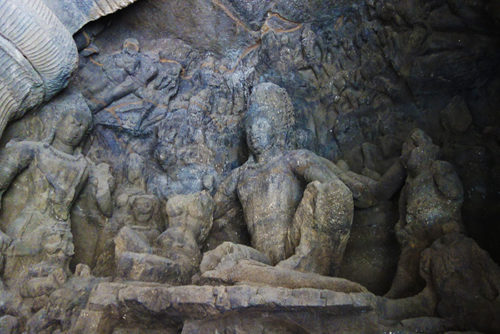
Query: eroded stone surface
x=129, y=302
x=248, y=102
x=430, y=207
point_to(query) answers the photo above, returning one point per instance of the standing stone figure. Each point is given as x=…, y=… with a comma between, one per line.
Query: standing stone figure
x=297, y=206
x=41, y=233
x=430, y=205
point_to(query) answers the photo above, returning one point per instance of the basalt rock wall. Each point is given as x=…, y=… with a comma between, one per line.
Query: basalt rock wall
x=362, y=72
x=128, y=201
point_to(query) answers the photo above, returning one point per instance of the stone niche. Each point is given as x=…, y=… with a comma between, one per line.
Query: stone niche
x=230, y=166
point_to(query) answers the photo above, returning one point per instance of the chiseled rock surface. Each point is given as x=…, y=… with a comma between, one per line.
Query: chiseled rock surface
x=371, y=253
x=74, y=14
x=466, y=281
x=126, y=303
x=293, y=116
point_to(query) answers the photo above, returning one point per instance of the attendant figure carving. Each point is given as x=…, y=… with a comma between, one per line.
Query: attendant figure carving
x=142, y=253
x=429, y=207
x=134, y=208
x=41, y=233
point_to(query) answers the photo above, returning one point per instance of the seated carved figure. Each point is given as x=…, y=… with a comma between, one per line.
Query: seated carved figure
x=134, y=208
x=461, y=291
x=41, y=232
x=133, y=243
x=142, y=253
x=190, y=219
x=296, y=206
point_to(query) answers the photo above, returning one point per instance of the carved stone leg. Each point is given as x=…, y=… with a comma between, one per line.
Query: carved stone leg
x=135, y=259
x=421, y=305
x=46, y=249
x=227, y=254
x=407, y=281
x=147, y=267
x=321, y=226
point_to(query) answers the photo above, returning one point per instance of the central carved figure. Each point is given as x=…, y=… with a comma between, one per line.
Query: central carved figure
x=297, y=206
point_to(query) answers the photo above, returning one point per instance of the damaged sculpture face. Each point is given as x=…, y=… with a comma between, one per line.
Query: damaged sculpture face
x=71, y=129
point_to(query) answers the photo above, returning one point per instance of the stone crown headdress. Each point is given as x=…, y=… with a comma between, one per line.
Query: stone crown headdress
x=272, y=102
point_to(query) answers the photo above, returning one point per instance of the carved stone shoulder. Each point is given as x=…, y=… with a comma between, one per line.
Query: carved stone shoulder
x=447, y=180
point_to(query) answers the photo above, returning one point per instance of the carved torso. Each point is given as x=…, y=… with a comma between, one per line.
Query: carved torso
x=427, y=208
x=270, y=193
x=56, y=180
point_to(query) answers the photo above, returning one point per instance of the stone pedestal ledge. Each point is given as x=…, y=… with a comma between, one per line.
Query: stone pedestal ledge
x=133, y=304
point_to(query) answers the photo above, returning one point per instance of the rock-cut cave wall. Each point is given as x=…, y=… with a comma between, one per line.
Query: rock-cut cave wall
x=358, y=73
x=171, y=86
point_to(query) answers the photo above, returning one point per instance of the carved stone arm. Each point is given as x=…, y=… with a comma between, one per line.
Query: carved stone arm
x=13, y=159
x=311, y=167
x=227, y=206
x=102, y=180
x=366, y=191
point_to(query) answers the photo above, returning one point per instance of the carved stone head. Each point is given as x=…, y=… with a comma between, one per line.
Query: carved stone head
x=269, y=119
x=144, y=208
x=418, y=151
x=131, y=46
x=73, y=125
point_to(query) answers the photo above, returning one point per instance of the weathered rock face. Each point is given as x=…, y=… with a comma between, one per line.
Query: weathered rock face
x=163, y=308
x=38, y=53
x=364, y=71
x=75, y=14
x=38, y=56
x=476, y=275
x=236, y=166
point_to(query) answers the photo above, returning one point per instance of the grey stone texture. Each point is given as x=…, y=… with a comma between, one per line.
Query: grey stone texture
x=228, y=166
x=37, y=51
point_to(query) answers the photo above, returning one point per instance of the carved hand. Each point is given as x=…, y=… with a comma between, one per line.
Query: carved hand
x=104, y=183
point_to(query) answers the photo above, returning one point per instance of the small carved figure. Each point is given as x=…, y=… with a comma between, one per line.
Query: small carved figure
x=135, y=209
x=461, y=291
x=190, y=219
x=430, y=206
x=174, y=255
x=465, y=280
x=41, y=233
x=297, y=206
x=125, y=73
